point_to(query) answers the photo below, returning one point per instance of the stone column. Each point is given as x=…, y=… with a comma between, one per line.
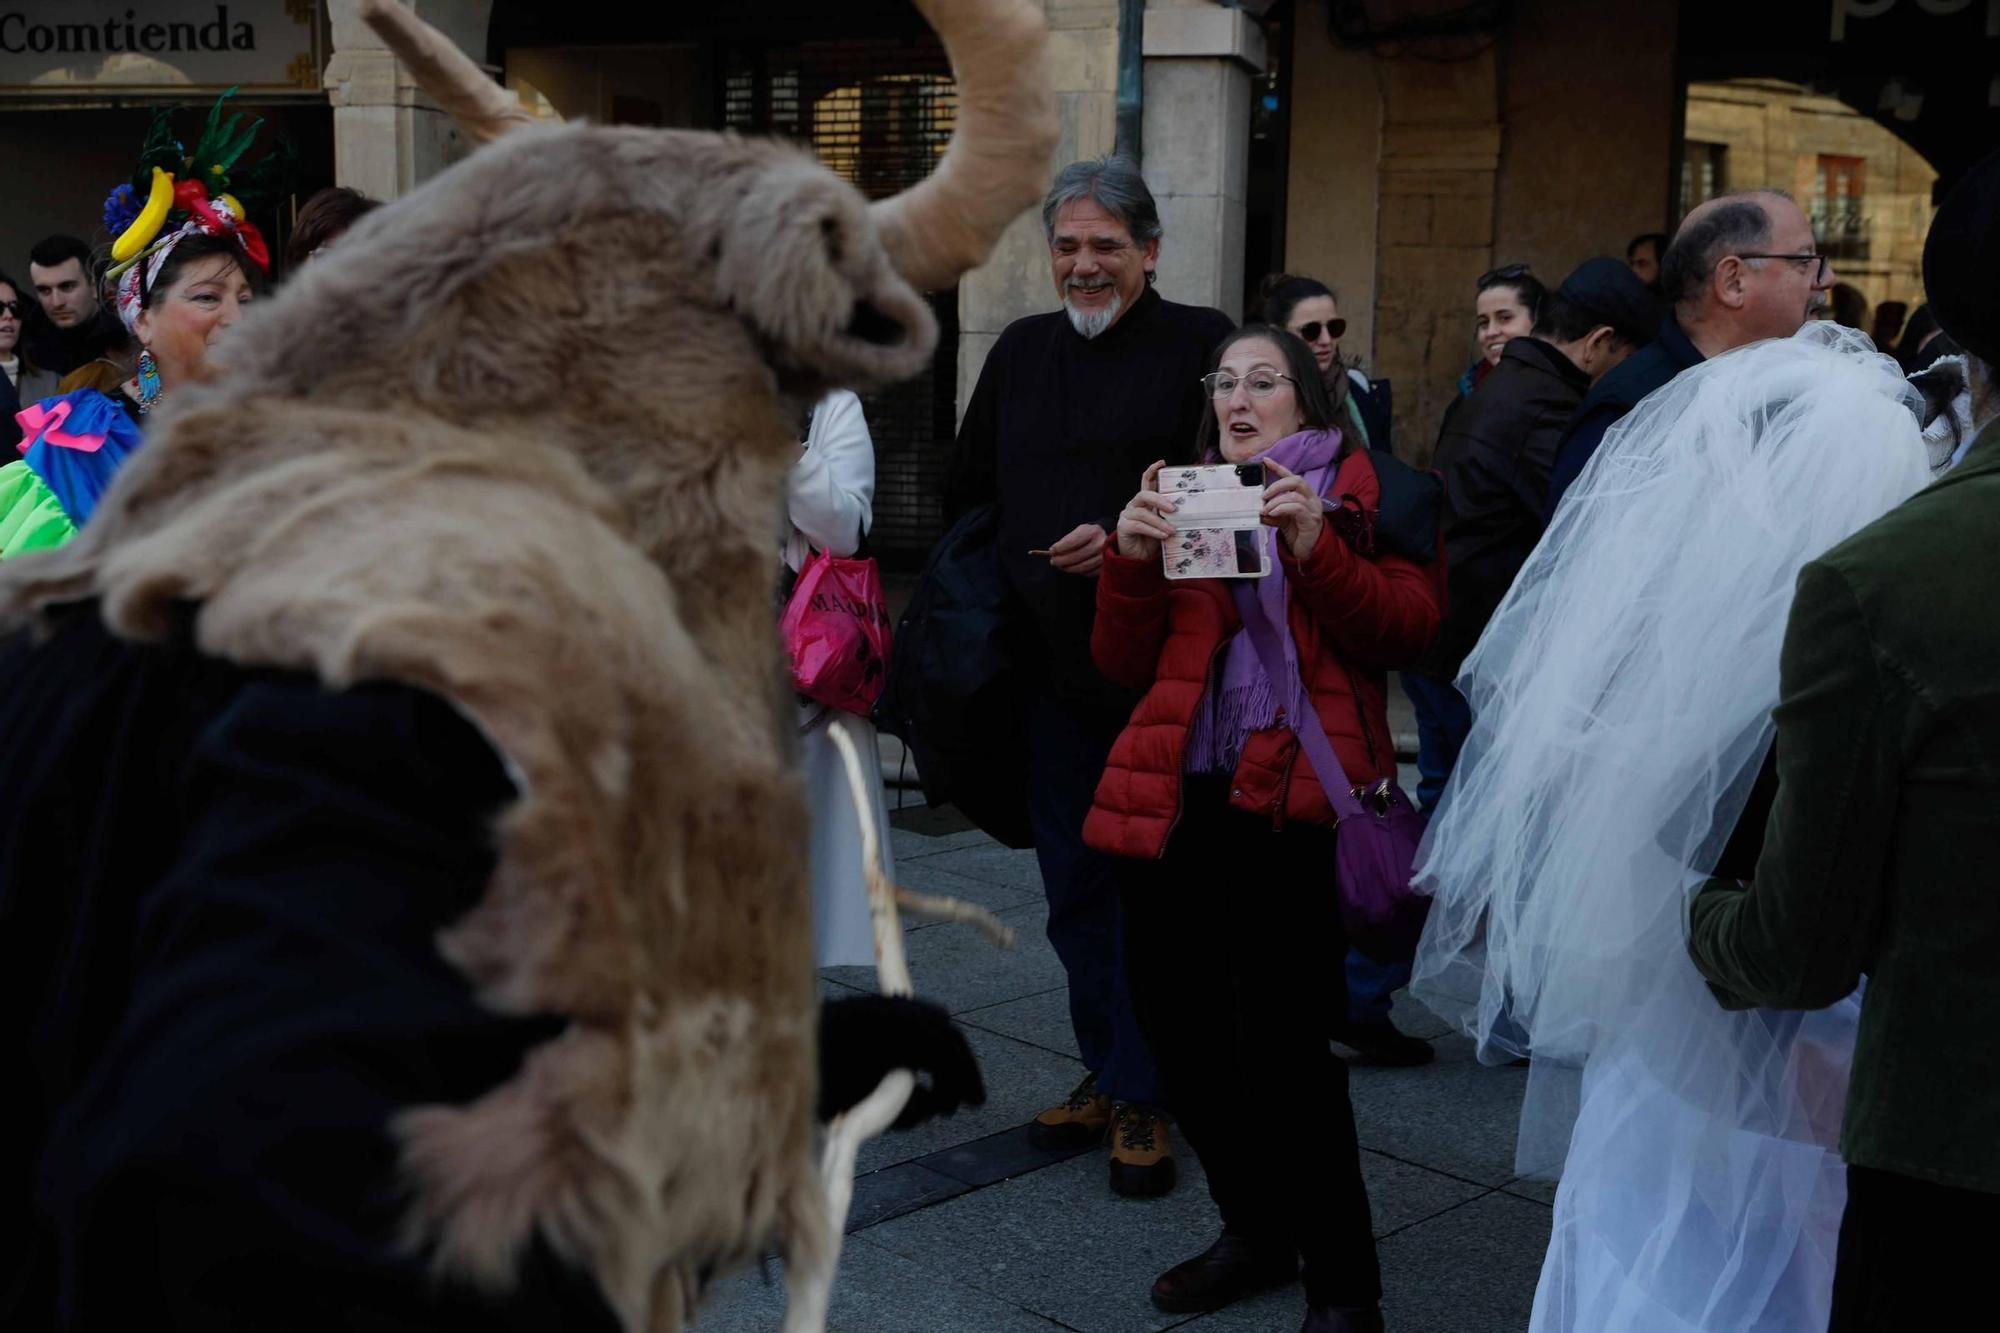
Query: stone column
x=1017, y=281
x=1440, y=164
x=1200, y=58
x=387, y=137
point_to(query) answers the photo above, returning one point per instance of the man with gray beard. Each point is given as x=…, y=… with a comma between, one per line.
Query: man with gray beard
x=1070, y=408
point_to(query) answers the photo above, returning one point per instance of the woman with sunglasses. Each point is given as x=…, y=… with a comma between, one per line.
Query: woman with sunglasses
x=1307, y=307
x=26, y=382
x=1233, y=940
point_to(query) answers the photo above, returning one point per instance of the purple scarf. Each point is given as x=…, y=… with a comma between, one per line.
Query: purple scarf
x=1241, y=699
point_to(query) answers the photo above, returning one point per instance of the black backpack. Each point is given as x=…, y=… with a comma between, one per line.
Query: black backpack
x=952, y=694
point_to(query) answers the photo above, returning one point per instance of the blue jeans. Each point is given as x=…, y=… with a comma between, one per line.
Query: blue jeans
x=1067, y=750
x=1444, y=720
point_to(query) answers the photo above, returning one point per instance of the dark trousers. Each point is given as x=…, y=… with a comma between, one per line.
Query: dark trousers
x=1371, y=984
x=1067, y=749
x=1913, y=1255
x=1233, y=948
x=1444, y=720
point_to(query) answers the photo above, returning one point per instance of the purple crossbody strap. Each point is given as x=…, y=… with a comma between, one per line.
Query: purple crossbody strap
x=1311, y=734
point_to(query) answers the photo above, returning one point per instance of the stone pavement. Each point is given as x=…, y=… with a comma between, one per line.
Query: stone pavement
x=960, y=1225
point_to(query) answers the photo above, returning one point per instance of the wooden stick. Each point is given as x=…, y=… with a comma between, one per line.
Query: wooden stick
x=810, y=1285
x=935, y=907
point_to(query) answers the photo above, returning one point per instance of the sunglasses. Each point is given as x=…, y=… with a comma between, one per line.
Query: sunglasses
x=1311, y=331
x=1506, y=273
x=18, y=309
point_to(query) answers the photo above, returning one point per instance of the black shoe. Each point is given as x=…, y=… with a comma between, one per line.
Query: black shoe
x=1229, y=1270
x=1142, y=1156
x=1332, y=1319
x=1379, y=1042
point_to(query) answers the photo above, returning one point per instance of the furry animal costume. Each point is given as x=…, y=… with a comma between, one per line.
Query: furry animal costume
x=392, y=482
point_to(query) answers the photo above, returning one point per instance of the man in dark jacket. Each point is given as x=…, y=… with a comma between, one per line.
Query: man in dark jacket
x=1495, y=453
x=1498, y=448
x=1742, y=267
x=1880, y=847
x=69, y=326
x=1069, y=410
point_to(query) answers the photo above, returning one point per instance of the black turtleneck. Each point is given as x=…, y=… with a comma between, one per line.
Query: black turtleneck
x=63, y=350
x=1058, y=431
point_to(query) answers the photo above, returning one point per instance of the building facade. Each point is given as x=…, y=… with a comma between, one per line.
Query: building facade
x=1396, y=149
x=1868, y=193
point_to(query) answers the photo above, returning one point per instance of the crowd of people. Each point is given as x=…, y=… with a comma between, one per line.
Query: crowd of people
x=1186, y=841
x=1664, y=820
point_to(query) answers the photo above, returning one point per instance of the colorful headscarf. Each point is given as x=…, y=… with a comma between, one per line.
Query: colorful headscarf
x=187, y=194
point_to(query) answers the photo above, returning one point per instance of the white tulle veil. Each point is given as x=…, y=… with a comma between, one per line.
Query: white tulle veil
x=1621, y=699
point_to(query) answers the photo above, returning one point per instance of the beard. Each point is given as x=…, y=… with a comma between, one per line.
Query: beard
x=1090, y=323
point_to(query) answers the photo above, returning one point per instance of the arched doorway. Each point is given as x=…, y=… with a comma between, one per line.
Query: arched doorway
x=1868, y=192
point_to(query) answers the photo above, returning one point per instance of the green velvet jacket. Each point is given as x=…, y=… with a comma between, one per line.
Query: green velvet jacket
x=1882, y=855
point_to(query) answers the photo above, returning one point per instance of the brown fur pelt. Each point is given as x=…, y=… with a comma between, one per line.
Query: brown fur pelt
x=521, y=440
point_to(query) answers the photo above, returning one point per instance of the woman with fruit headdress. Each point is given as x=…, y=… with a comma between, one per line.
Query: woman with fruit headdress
x=186, y=263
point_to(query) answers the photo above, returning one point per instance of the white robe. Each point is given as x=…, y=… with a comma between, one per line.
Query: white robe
x=830, y=498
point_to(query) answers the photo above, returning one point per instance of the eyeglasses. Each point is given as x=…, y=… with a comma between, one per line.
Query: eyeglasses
x=1310, y=331
x=1260, y=383
x=1506, y=273
x=1819, y=274
x=18, y=309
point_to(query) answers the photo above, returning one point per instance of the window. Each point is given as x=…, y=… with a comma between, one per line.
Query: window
x=1704, y=172
x=1837, y=220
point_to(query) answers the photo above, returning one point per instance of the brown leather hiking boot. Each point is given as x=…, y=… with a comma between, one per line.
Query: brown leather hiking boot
x=1077, y=1122
x=1142, y=1156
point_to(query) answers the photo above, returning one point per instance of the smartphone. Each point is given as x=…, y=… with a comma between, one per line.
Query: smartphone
x=1219, y=529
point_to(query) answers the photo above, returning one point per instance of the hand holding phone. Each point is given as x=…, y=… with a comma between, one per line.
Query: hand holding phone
x=1293, y=508
x=1142, y=525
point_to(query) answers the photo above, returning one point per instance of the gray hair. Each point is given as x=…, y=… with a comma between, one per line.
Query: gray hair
x=1114, y=185
x=1739, y=221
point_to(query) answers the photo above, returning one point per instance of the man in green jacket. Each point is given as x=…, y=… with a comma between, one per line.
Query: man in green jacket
x=1882, y=854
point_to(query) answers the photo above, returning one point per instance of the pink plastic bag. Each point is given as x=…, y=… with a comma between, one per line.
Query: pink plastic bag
x=838, y=633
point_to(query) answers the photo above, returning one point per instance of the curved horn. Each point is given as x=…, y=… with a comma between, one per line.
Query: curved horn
x=998, y=161
x=477, y=105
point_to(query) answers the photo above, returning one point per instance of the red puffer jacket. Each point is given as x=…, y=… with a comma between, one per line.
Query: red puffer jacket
x=1351, y=616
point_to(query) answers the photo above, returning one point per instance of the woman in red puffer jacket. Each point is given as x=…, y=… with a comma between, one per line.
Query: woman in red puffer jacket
x=1232, y=933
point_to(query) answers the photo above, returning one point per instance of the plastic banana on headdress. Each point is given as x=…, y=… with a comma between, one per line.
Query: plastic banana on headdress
x=197, y=193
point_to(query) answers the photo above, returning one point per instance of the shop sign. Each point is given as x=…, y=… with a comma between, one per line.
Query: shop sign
x=109, y=47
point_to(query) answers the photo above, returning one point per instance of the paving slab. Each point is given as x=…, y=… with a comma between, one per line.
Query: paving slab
x=1058, y=1242
x=1040, y=1020
x=895, y=1190
x=875, y=1292
x=1541, y=1191
x=1454, y=1115
x=1471, y=1270
x=1018, y=870
x=956, y=966
x=1021, y=1080
x=912, y=843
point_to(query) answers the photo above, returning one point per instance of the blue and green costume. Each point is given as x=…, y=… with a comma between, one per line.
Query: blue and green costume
x=71, y=446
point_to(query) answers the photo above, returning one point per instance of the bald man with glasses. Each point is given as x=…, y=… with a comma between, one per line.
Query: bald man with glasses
x=1743, y=267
